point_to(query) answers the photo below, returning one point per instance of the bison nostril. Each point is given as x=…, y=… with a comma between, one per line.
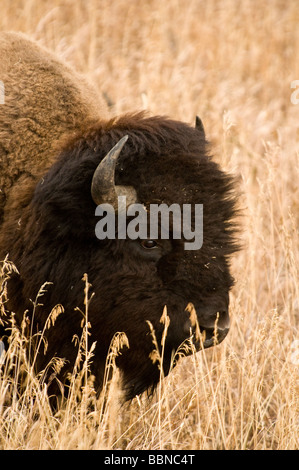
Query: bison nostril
x=209, y=321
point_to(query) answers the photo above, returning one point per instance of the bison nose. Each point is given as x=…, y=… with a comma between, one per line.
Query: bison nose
x=215, y=334
x=211, y=317
x=213, y=325
x=213, y=337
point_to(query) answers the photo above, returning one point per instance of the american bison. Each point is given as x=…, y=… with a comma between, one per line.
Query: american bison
x=60, y=158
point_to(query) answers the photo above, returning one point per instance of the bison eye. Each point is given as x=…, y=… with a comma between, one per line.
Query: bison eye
x=149, y=244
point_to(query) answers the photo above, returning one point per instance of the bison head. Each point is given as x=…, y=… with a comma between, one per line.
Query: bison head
x=162, y=161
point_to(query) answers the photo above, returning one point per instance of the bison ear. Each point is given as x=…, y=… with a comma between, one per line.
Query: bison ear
x=199, y=125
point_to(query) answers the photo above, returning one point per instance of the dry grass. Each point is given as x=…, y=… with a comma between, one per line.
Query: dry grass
x=231, y=63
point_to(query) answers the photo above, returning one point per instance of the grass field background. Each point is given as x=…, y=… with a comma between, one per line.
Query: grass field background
x=231, y=63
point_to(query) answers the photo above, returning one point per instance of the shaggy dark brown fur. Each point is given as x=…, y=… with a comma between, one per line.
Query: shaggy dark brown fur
x=49, y=232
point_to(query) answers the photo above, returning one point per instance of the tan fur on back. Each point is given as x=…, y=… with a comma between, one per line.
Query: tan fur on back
x=44, y=101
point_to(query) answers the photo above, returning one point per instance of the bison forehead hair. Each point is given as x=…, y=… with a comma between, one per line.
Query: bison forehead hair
x=165, y=162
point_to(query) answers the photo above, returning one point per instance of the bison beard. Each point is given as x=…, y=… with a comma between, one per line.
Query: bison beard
x=50, y=236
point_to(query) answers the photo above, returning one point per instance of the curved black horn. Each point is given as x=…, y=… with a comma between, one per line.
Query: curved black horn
x=103, y=188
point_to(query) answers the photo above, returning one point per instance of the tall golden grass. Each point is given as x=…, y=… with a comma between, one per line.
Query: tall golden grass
x=232, y=63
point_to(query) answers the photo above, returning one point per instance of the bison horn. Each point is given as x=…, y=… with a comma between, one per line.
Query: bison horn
x=103, y=188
